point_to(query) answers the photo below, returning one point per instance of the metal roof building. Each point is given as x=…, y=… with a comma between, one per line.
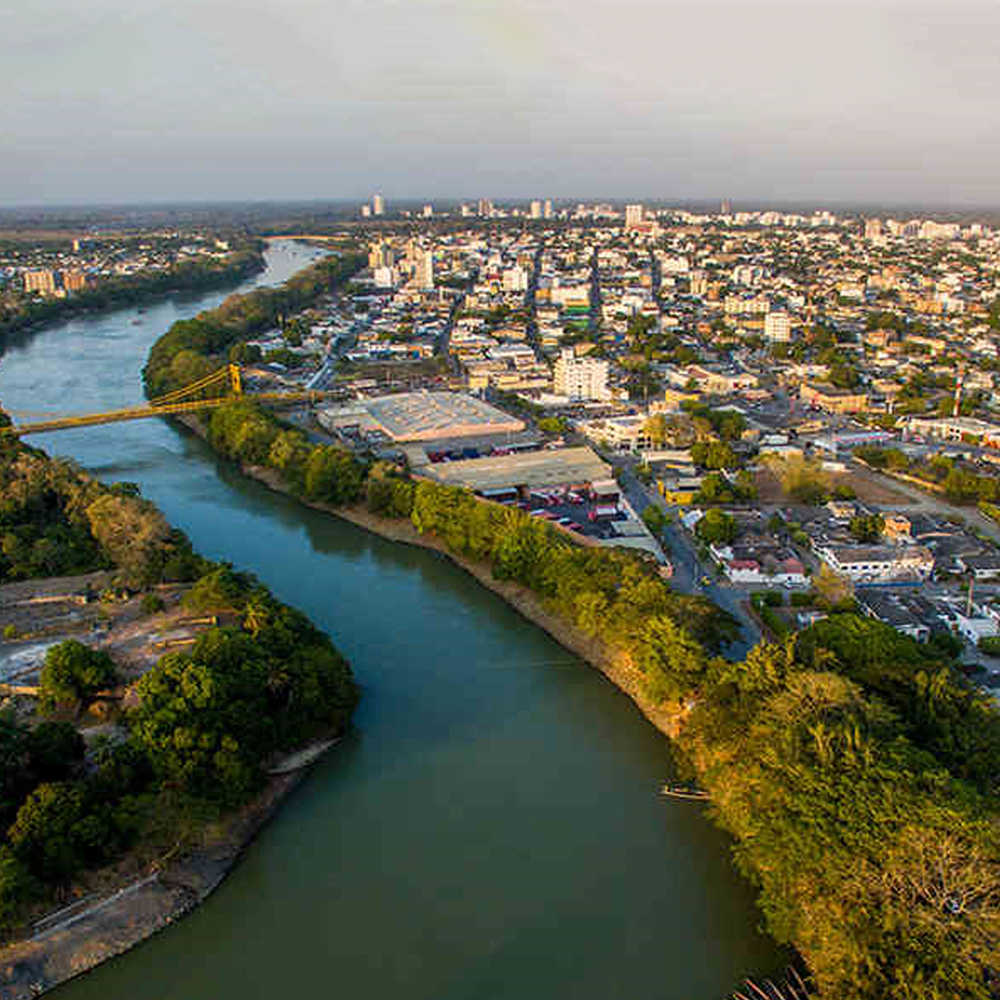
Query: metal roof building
x=533, y=469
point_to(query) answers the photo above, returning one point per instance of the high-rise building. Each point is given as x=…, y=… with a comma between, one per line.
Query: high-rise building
x=548, y=208
x=366, y=211
x=581, y=378
x=633, y=216
x=777, y=327
x=485, y=208
x=725, y=207
x=515, y=279
x=74, y=280
x=536, y=209
x=378, y=205
x=428, y=211
x=425, y=270
x=873, y=229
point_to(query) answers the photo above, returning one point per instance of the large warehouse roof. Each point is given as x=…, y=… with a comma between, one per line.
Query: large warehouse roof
x=420, y=416
x=534, y=469
x=425, y=416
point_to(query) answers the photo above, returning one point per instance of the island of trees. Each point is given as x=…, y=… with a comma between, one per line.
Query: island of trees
x=193, y=739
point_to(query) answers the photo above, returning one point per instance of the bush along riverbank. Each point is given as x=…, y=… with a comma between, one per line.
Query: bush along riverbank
x=184, y=753
x=134, y=289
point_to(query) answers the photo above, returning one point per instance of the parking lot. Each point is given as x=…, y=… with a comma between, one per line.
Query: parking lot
x=573, y=510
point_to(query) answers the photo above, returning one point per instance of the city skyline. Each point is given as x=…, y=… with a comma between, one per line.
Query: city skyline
x=428, y=99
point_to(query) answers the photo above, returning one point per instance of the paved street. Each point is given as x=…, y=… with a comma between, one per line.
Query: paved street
x=689, y=570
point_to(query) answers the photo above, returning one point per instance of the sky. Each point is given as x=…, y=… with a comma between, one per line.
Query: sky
x=114, y=101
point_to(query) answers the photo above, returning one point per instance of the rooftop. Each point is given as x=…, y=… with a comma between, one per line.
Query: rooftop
x=537, y=469
x=423, y=416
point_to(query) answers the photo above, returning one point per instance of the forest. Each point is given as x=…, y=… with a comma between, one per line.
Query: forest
x=855, y=769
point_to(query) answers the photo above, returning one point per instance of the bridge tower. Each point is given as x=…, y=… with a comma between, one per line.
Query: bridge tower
x=235, y=380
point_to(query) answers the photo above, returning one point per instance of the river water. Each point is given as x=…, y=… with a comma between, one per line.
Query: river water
x=492, y=828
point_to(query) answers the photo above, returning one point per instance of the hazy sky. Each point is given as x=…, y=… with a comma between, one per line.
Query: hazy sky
x=120, y=100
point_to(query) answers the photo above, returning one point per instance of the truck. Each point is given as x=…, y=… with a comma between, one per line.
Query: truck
x=603, y=510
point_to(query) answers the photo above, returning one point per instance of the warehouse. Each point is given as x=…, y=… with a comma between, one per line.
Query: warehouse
x=528, y=470
x=421, y=416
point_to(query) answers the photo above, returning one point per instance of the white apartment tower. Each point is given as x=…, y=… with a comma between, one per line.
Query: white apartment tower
x=548, y=208
x=581, y=378
x=873, y=229
x=633, y=216
x=777, y=327
x=536, y=209
x=378, y=205
x=425, y=270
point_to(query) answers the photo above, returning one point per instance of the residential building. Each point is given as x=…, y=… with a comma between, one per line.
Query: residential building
x=833, y=399
x=633, y=216
x=778, y=327
x=581, y=378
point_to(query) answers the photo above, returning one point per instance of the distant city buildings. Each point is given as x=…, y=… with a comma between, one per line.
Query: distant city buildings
x=378, y=205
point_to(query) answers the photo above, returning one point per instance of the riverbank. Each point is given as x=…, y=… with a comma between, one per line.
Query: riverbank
x=74, y=941
x=615, y=664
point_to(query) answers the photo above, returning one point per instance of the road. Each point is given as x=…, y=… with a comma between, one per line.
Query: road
x=689, y=570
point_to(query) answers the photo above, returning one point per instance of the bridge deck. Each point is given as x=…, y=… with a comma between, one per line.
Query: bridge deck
x=163, y=410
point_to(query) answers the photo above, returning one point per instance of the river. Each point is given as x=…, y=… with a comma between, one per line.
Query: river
x=491, y=829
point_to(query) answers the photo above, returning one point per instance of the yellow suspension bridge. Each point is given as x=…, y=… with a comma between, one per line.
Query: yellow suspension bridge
x=222, y=386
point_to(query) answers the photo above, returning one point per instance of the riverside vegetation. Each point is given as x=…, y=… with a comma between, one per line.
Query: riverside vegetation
x=855, y=769
x=205, y=721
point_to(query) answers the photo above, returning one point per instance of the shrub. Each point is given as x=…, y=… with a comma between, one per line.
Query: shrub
x=152, y=604
x=73, y=673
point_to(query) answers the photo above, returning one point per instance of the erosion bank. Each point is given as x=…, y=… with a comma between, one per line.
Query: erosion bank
x=615, y=664
x=148, y=901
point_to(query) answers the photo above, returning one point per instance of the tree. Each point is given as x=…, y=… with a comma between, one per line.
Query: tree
x=716, y=527
x=671, y=661
x=73, y=673
x=55, y=749
x=867, y=527
x=833, y=588
x=56, y=832
x=713, y=455
x=134, y=534
x=654, y=519
x=13, y=885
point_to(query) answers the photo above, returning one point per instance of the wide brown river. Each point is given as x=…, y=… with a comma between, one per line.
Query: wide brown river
x=493, y=827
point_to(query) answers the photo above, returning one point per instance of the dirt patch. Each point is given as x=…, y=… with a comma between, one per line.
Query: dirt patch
x=871, y=488
x=769, y=490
